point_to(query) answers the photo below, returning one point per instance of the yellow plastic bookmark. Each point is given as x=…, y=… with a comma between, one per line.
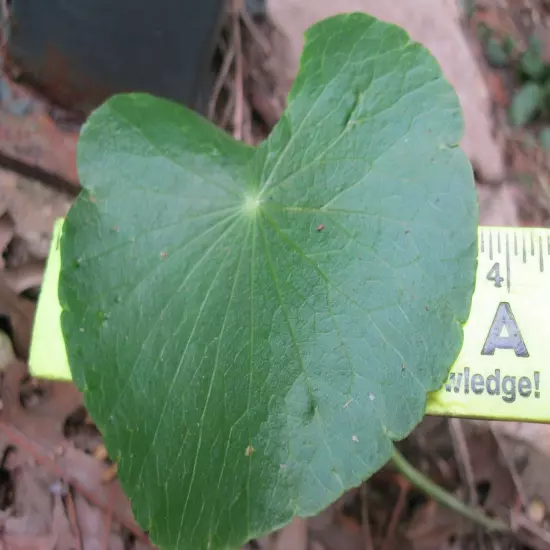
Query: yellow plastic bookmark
x=502, y=371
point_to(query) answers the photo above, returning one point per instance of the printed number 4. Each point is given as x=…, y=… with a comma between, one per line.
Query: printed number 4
x=494, y=275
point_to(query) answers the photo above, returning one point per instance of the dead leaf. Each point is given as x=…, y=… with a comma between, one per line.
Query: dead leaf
x=32, y=507
x=62, y=536
x=93, y=527
x=27, y=542
x=20, y=313
x=490, y=473
x=39, y=433
x=433, y=527
x=498, y=205
x=535, y=435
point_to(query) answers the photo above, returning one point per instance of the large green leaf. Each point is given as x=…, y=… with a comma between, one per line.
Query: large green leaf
x=253, y=327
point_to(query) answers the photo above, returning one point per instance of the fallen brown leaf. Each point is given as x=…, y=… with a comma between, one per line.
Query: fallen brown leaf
x=433, y=527
x=95, y=531
x=32, y=507
x=61, y=533
x=20, y=313
x=27, y=542
x=38, y=434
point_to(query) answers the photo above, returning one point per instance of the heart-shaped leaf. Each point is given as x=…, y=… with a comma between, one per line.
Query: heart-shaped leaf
x=253, y=327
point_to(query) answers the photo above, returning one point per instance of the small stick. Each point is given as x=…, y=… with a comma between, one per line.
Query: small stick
x=239, y=97
x=73, y=519
x=247, y=125
x=221, y=80
x=519, y=520
x=461, y=450
x=255, y=33
x=226, y=115
x=522, y=495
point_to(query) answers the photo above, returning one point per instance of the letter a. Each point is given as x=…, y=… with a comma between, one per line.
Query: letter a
x=504, y=319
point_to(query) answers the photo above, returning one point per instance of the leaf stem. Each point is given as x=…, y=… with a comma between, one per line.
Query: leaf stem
x=419, y=480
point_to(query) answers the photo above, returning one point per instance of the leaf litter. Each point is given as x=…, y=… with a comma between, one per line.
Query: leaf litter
x=422, y=524
x=43, y=469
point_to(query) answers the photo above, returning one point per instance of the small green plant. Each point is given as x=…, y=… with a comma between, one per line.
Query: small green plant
x=253, y=328
x=531, y=101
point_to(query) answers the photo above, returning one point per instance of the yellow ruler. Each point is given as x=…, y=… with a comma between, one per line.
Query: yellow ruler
x=501, y=372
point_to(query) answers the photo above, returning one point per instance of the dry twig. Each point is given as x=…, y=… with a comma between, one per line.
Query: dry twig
x=463, y=455
x=255, y=34
x=511, y=467
x=73, y=519
x=25, y=277
x=221, y=80
x=520, y=521
x=239, y=94
x=246, y=99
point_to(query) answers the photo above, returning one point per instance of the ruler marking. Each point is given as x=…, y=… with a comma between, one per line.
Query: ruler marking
x=522, y=393
x=508, y=283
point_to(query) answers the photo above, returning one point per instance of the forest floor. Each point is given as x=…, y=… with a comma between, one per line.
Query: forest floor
x=59, y=490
